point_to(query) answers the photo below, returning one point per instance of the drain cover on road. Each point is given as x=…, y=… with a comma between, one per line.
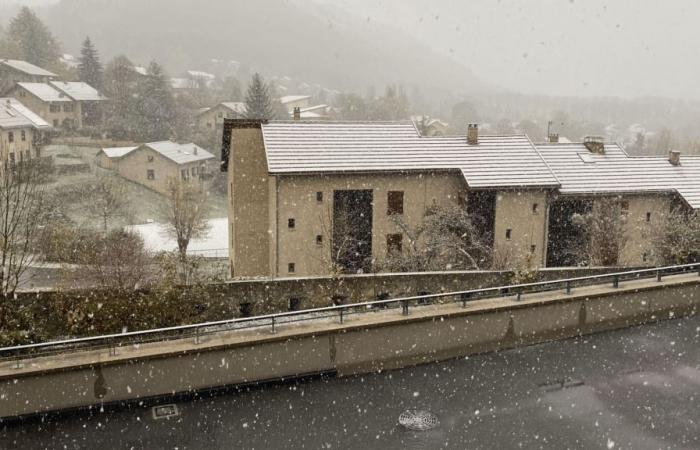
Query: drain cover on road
x=418, y=420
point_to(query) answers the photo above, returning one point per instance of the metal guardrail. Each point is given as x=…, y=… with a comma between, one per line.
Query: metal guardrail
x=114, y=341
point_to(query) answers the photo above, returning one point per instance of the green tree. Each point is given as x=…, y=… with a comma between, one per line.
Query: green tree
x=90, y=67
x=119, y=83
x=258, y=99
x=33, y=40
x=157, y=111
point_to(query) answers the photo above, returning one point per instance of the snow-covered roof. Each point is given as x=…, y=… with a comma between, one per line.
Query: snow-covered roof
x=312, y=147
x=180, y=153
x=25, y=67
x=293, y=98
x=117, y=152
x=237, y=107
x=582, y=172
x=200, y=74
x=14, y=114
x=78, y=90
x=45, y=92
x=141, y=70
x=181, y=83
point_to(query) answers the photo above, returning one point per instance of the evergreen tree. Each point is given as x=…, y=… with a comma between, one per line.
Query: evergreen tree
x=90, y=68
x=32, y=40
x=258, y=100
x=119, y=83
x=157, y=111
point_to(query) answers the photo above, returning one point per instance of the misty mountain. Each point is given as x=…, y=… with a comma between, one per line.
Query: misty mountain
x=309, y=42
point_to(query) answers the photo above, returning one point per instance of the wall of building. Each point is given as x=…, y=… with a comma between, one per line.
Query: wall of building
x=526, y=245
x=638, y=248
x=214, y=118
x=43, y=109
x=22, y=149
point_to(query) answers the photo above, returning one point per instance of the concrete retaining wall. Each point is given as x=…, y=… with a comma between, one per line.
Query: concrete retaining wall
x=356, y=347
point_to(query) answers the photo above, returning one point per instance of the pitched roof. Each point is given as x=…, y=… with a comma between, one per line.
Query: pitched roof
x=78, y=90
x=308, y=147
x=117, y=152
x=25, y=67
x=14, y=114
x=293, y=98
x=45, y=92
x=583, y=172
x=180, y=153
x=237, y=107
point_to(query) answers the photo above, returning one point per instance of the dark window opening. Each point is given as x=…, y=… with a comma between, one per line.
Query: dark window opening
x=319, y=196
x=291, y=268
x=24, y=135
x=291, y=224
x=533, y=249
x=509, y=233
x=394, y=243
x=395, y=202
x=294, y=303
x=319, y=239
x=648, y=217
x=11, y=137
x=535, y=208
x=150, y=174
x=246, y=309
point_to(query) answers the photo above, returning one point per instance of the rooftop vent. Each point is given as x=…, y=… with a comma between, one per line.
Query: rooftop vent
x=473, y=133
x=297, y=113
x=554, y=138
x=674, y=157
x=595, y=144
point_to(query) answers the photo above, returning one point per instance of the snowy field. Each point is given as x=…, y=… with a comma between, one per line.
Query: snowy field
x=214, y=245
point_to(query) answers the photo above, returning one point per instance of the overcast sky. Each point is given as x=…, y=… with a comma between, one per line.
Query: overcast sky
x=623, y=48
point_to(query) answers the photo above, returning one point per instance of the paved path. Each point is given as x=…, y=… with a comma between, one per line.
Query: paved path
x=637, y=388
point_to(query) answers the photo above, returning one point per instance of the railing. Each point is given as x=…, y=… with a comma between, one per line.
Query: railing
x=271, y=321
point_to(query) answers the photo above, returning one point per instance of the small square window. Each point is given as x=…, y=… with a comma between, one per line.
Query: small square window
x=151, y=174
x=395, y=202
x=150, y=158
x=319, y=239
x=644, y=257
x=394, y=243
x=533, y=249
x=291, y=224
x=24, y=135
x=294, y=303
x=319, y=196
x=509, y=233
x=535, y=208
x=291, y=268
x=648, y=217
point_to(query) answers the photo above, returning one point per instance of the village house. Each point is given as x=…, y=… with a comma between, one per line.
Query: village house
x=21, y=132
x=210, y=119
x=12, y=71
x=156, y=164
x=299, y=107
x=69, y=105
x=292, y=185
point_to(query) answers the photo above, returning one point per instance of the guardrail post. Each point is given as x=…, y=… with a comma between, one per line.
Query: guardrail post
x=273, y=325
x=404, y=307
x=519, y=296
x=113, y=350
x=568, y=287
x=616, y=281
x=341, y=315
x=196, y=336
x=658, y=275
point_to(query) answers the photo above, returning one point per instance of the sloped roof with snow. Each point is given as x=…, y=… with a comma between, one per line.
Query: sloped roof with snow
x=45, y=92
x=78, y=90
x=582, y=172
x=180, y=153
x=293, y=98
x=25, y=67
x=237, y=107
x=317, y=147
x=117, y=152
x=14, y=114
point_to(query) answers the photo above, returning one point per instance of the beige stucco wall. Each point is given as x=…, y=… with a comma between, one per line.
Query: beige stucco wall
x=21, y=149
x=639, y=231
x=210, y=120
x=44, y=111
x=514, y=211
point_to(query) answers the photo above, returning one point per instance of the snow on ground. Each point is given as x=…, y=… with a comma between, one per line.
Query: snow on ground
x=214, y=245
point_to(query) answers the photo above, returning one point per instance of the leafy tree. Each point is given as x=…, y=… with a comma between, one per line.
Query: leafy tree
x=90, y=67
x=676, y=240
x=258, y=99
x=157, y=111
x=32, y=40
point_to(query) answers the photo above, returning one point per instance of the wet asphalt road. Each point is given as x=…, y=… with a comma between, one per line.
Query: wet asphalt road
x=637, y=388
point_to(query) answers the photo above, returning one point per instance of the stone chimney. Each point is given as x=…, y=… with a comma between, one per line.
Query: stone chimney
x=473, y=133
x=553, y=138
x=595, y=144
x=297, y=113
x=195, y=149
x=674, y=157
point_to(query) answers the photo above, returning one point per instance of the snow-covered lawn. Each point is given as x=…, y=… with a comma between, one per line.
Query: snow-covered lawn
x=214, y=245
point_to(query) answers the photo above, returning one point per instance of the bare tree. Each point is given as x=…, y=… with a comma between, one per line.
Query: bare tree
x=185, y=218
x=107, y=198
x=21, y=220
x=604, y=228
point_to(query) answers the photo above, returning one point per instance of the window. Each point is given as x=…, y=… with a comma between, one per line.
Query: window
x=294, y=303
x=68, y=107
x=291, y=224
x=24, y=135
x=22, y=94
x=644, y=257
x=220, y=115
x=533, y=249
x=150, y=158
x=319, y=196
x=319, y=239
x=394, y=243
x=395, y=202
x=648, y=217
x=150, y=174
x=54, y=108
x=535, y=208
x=509, y=233
x=11, y=136
x=291, y=268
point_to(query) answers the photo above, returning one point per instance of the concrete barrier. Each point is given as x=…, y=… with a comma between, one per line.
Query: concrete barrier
x=364, y=343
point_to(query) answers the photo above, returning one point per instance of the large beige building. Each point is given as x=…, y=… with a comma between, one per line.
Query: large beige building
x=292, y=185
x=13, y=71
x=156, y=164
x=21, y=132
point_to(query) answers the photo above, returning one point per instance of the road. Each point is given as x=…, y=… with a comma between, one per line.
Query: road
x=636, y=388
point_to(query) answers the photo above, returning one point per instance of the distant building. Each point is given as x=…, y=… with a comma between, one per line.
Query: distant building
x=13, y=71
x=155, y=164
x=210, y=119
x=69, y=60
x=430, y=127
x=62, y=104
x=21, y=131
x=295, y=101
